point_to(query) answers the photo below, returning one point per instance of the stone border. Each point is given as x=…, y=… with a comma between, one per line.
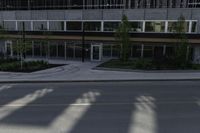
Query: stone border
x=79, y=81
x=145, y=71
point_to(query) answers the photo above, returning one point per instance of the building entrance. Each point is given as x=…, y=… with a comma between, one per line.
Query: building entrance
x=96, y=52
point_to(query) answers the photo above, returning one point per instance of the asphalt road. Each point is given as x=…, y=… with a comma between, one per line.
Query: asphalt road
x=118, y=107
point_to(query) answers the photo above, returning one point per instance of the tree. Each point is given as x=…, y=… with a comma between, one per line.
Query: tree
x=45, y=42
x=181, y=50
x=22, y=47
x=123, y=38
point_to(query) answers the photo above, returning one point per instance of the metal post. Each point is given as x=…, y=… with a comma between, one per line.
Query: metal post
x=23, y=38
x=83, y=41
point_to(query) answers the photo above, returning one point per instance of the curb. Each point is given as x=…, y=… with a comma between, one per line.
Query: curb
x=145, y=71
x=79, y=81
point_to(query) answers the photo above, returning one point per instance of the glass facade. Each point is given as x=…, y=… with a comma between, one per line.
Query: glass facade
x=190, y=26
x=136, y=26
x=27, y=25
x=95, y=4
x=9, y=25
x=92, y=26
x=194, y=27
x=56, y=25
x=111, y=26
x=158, y=26
x=173, y=26
x=39, y=25
x=74, y=26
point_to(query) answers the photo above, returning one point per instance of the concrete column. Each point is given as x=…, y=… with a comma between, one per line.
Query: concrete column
x=48, y=47
x=32, y=26
x=166, y=26
x=11, y=50
x=142, y=50
x=65, y=51
x=57, y=50
x=164, y=50
x=6, y=48
x=143, y=26
x=196, y=55
x=16, y=26
x=65, y=26
x=33, y=54
x=102, y=26
x=111, y=50
x=74, y=54
x=48, y=26
x=40, y=49
x=190, y=27
x=188, y=52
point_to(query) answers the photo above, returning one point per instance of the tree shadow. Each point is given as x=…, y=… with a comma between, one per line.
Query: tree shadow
x=11, y=92
x=44, y=108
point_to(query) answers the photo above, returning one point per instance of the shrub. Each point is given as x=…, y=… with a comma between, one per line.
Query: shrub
x=144, y=64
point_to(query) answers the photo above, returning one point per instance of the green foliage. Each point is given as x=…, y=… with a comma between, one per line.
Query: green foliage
x=15, y=66
x=181, y=50
x=148, y=64
x=123, y=38
x=22, y=46
x=144, y=64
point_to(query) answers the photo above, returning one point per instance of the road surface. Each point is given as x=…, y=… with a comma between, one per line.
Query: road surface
x=109, y=107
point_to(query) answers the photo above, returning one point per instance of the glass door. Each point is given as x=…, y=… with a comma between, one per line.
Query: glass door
x=96, y=52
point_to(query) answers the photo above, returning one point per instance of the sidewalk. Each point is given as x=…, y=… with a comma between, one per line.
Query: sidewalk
x=78, y=71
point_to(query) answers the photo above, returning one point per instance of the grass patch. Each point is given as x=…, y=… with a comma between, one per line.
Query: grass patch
x=147, y=64
x=13, y=65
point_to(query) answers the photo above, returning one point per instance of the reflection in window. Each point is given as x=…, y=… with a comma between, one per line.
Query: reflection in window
x=194, y=26
x=74, y=26
x=39, y=25
x=56, y=25
x=92, y=26
x=115, y=50
x=172, y=26
x=136, y=51
x=9, y=25
x=155, y=26
x=148, y=51
x=107, y=50
x=111, y=26
x=27, y=25
x=136, y=26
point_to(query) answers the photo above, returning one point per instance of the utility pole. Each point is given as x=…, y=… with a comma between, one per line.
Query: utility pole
x=83, y=41
x=83, y=34
x=23, y=39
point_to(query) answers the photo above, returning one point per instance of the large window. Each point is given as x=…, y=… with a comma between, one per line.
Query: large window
x=158, y=26
x=173, y=26
x=111, y=26
x=27, y=25
x=136, y=51
x=39, y=25
x=136, y=26
x=56, y=25
x=194, y=27
x=92, y=26
x=10, y=25
x=148, y=51
x=74, y=26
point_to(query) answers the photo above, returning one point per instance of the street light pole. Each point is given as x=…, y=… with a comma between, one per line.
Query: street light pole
x=83, y=42
x=83, y=34
x=23, y=39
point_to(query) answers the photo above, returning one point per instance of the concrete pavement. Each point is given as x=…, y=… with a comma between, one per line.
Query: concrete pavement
x=78, y=71
x=126, y=107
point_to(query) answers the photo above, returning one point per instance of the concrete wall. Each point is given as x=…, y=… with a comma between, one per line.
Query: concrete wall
x=106, y=14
